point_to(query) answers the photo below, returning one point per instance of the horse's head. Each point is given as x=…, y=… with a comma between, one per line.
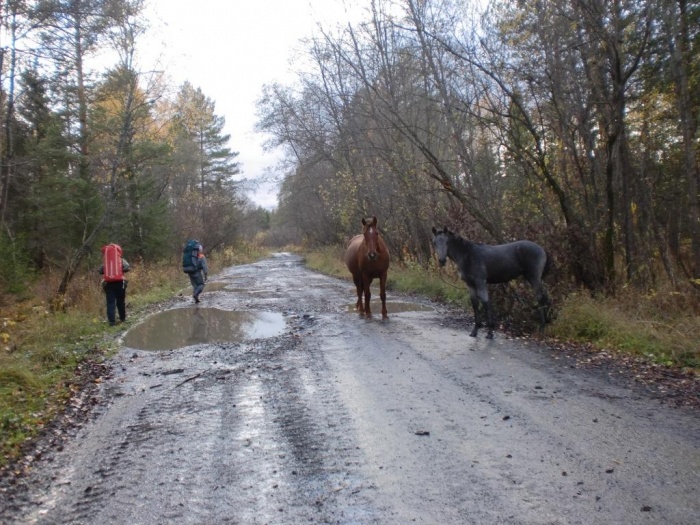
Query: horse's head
x=441, y=239
x=371, y=235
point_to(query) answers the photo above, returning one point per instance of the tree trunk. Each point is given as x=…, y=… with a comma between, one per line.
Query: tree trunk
x=680, y=58
x=8, y=142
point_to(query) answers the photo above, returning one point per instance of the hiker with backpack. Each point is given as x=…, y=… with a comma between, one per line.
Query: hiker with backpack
x=194, y=264
x=113, y=268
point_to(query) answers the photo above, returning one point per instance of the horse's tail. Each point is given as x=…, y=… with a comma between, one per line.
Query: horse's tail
x=548, y=264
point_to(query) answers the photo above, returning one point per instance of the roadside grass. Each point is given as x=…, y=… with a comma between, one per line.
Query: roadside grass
x=663, y=326
x=436, y=283
x=440, y=284
x=327, y=260
x=41, y=347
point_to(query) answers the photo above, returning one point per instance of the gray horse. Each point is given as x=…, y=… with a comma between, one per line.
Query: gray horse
x=482, y=264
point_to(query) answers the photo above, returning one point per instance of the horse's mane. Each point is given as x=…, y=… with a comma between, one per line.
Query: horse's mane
x=461, y=241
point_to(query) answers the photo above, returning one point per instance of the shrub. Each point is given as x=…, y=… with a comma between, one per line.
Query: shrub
x=16, y=270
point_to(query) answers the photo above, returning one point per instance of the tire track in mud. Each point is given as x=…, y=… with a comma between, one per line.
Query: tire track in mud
x=342, y=420
x=245, y=433
x=303, y=462
x=140, y=457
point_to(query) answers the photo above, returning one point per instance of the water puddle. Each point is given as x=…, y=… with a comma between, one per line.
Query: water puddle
x=182, y=327
x=392, y=307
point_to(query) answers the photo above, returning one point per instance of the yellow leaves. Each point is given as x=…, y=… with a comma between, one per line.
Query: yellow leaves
x=5, y=335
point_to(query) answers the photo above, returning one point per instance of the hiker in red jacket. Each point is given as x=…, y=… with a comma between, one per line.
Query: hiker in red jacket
x=113, y=268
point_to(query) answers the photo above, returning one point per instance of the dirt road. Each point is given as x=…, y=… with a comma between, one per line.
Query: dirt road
x=273, y=403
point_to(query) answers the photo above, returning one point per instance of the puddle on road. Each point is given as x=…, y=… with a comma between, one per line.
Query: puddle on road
x=392, y=307
x=182, y=327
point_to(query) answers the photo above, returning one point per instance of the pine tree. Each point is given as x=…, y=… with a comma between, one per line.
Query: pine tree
x=197, y=123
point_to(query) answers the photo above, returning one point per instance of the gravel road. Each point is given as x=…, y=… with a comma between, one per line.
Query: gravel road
x=272, y=402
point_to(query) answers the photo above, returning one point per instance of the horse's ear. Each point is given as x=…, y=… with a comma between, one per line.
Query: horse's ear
x=434, y=231
x=364, y=222
x=445, y=230
x=374, y=221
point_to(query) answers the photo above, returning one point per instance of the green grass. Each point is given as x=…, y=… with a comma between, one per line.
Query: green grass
x=40, y=350
x=659, y=328
x=37, y=368
x=328, y=260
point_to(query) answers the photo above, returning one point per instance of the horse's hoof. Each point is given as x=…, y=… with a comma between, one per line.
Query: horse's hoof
x=473, y=334
x=489, y=335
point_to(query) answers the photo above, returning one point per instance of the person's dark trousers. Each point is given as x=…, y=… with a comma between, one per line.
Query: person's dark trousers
x=116, y=301
x=197, y=280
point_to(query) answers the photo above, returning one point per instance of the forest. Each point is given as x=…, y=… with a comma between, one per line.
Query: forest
x=573, y=123
x=98, y=148
x=569, y=122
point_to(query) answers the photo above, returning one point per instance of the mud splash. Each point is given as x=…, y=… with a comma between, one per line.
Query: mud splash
x=182, y=327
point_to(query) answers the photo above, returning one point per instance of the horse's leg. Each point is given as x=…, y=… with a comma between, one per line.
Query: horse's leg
x=489, y=319
x=475, y=305
x=545, y=307
x=357, y=279
x=368, y=294
x=382, y=294
x=483, y=294
x=542, y=301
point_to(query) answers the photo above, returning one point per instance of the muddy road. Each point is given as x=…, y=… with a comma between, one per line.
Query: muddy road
x=272, y=402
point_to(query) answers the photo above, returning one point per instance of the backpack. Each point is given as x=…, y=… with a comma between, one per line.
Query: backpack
x=189, y=256
x=112, y=263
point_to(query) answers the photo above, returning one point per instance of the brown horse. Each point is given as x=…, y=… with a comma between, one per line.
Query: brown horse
x=367, y=258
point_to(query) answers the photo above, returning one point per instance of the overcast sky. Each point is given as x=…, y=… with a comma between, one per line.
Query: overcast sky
x=229, y=49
